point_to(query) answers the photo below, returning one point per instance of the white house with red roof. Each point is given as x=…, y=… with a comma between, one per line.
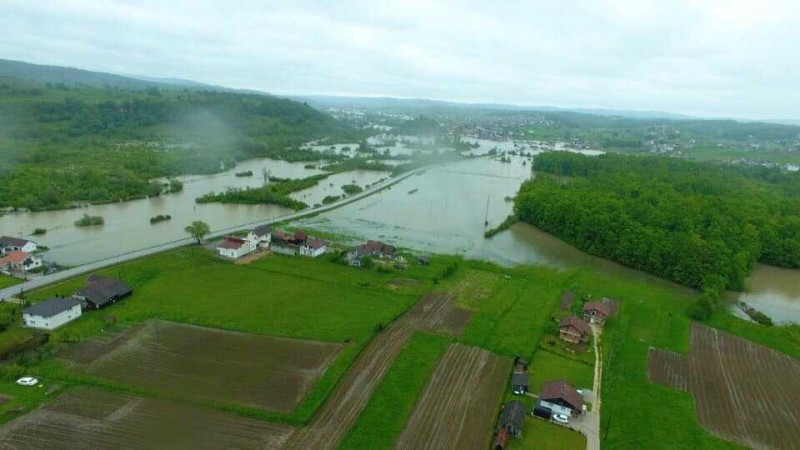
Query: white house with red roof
x=19, y=260
x=235, y=247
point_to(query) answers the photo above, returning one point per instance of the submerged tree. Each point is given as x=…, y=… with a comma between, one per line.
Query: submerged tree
x=198, y=230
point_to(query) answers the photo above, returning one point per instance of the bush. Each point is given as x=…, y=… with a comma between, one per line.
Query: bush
x=39, y=231
x=367, y=262
x=88, y=220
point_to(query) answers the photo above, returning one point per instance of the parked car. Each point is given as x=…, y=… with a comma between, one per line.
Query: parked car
x=561, y=418
x=518, y=390
x=27, y=381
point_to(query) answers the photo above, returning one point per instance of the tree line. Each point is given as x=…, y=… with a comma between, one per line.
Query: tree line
x=703, y=226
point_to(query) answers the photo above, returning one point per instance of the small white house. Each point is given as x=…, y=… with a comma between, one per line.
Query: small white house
x=313, y=247
x=262, y=235
x=235, y=247
x=51, y=314
x=12, y=244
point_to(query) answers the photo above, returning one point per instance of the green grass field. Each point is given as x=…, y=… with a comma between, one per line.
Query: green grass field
x=393, y=402
x=281, y=296
x=542, y=435
x=547, y=366
x=6, y=281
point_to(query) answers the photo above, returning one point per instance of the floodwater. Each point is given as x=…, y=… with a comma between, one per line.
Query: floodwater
x=444, y=211
x=127, y=225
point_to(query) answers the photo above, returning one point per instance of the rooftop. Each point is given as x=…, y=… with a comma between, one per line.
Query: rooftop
x=52, y=307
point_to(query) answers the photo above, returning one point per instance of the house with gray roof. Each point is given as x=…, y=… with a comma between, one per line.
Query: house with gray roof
x=51, y=314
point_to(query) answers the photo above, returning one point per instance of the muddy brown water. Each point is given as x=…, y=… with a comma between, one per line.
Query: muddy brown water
x=127, y=224
x=447, y=211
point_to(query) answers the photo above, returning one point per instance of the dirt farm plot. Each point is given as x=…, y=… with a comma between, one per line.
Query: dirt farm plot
x=203, y=363
x=457, y=408
x=99, y=419
x=350, y=397
x=744, y=392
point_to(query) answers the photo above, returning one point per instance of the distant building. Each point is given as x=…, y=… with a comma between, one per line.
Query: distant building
x=596, y=312
x=574, y=330
x=101, y=291
x=51, y=314
x=560, y=397
x=11, y=244
x=520, y=382
x=373, y=249
x=235, y=247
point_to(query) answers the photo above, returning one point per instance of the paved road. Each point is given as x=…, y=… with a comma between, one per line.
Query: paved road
x=96, y=265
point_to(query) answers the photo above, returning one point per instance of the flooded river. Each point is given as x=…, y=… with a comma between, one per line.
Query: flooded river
x=127, y=225
x=444, y=211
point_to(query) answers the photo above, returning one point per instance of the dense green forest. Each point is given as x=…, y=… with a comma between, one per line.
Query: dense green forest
x=703, y=226
x=61, y=143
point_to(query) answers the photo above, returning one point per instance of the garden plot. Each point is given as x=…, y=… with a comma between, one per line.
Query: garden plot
x=457, y=409
x=744, y=392
x=99, y=419
x=215, y=365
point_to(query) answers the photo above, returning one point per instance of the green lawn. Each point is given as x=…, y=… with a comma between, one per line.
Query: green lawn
x=547, y=366
x=277, y=295
x=393, y=402
x=6, y=281
x=542, y=435
x=509, y=321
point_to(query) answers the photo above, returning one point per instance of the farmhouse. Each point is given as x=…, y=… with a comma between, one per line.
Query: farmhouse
x=100, y=291
x=596, y=312
x=373, y=249
x=313, y=247
x=560, y=397
x=261, y=235
x=11, y=244
x=235, y=247
x=512, y=418
x=574, y=330
x=51, y=314
x=19, y=260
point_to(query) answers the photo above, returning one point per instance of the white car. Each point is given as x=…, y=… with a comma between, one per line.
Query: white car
x=27, y=381
x=561, y=418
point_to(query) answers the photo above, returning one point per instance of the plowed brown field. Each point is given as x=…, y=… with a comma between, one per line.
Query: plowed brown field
x=203, y=363
x=744, y=392
x=346, y=403
x=96, y=419
x=457, y=408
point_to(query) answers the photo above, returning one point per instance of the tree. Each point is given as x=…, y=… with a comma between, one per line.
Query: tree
x=198, y=230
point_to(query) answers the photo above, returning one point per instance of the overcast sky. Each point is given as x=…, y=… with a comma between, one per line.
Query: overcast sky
x=711, y=58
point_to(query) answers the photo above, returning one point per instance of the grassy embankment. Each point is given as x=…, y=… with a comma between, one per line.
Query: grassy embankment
x=7, y=281
x=280, y=296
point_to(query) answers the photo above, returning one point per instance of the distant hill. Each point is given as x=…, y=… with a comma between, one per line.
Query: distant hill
x=414, y=106
x=74, y=77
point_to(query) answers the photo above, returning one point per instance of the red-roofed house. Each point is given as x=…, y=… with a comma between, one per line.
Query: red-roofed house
x=596, y=312
x=235, y=247
x=19, y=260
x=574, y=330
x=561, y=398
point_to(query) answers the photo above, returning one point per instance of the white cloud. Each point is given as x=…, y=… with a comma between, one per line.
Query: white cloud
x=725, y=58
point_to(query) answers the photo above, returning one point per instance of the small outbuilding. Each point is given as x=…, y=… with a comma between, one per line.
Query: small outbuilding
x=520, y=381
x=574, y=330
x=512, y=418
x=51, y=314
x=101, y=291
x=235, y=247
x=313, y=247
x=596, y=312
